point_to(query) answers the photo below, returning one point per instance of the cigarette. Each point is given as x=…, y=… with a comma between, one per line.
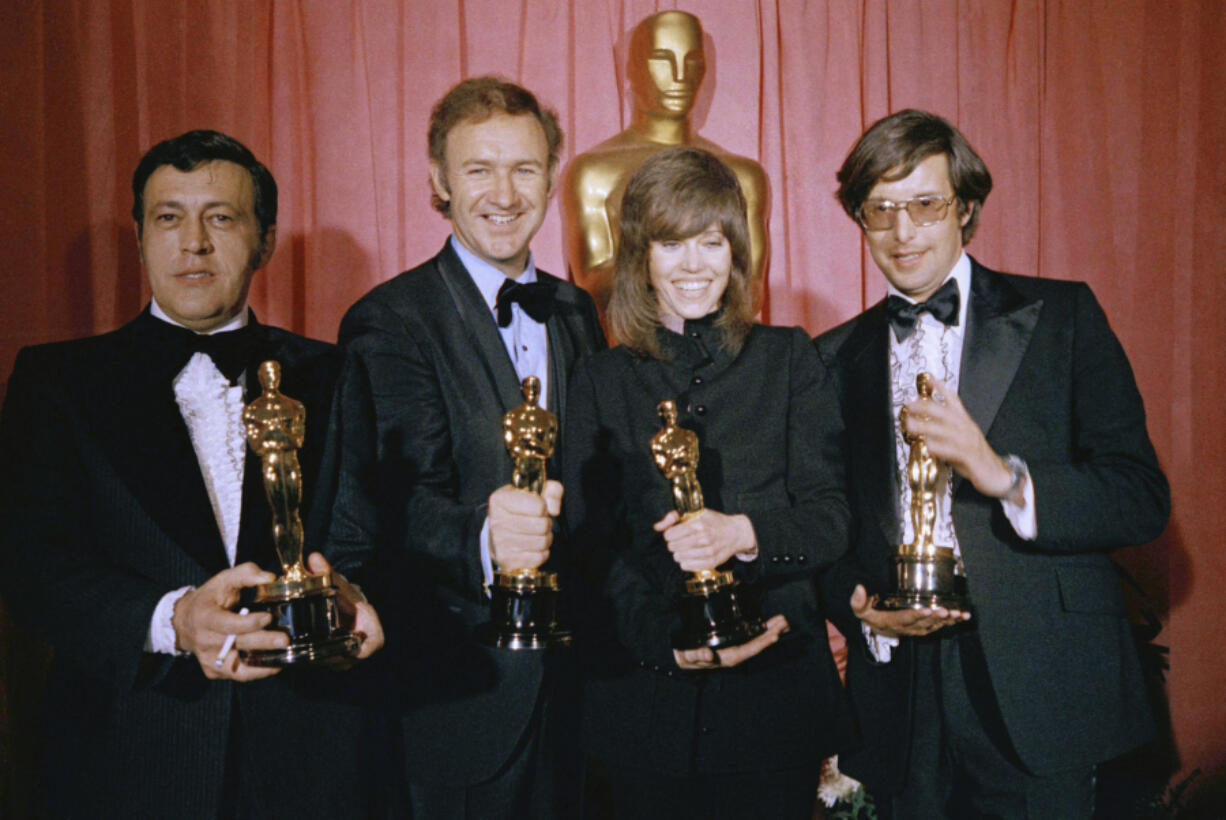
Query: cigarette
x=228, y=645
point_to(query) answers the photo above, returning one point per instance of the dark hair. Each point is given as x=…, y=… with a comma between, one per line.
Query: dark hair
x=678, y=193
x=189, y=151
x=894, y=145
x=477, y=100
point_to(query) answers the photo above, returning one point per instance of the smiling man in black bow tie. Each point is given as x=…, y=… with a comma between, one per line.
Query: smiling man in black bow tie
x=434, y=358
x=133, y=516
x=1045, y=466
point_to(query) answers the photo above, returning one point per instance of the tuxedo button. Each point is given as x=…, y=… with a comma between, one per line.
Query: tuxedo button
x=696, y=380
x=774, y=559
x=787, y=559
x=800, y=559
x=701, y=409
x=706, y=730
x=693, y=334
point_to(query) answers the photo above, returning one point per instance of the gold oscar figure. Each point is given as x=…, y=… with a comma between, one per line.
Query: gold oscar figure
x=711, y=613
x=524, y=600
x=924, y=573
x=665, y=68
x=302, y=605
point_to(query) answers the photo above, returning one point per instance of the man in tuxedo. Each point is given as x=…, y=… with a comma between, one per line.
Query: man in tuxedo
x=1005, y=708
x=133, y=515
x=434, y=358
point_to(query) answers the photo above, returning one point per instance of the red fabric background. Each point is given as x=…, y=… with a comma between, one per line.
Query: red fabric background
x=1102, y=121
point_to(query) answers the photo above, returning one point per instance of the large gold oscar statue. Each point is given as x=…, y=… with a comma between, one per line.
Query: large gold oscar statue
x=665, y=68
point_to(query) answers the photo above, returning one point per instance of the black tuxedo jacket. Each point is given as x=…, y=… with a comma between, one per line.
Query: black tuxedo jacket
x=425, y=384
x=1046, y=379
x=104, y=511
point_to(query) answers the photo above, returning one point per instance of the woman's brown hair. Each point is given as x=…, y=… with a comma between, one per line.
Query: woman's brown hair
x=676, y=194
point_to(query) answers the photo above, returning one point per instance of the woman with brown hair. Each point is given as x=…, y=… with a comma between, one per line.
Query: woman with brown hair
x=738, y=731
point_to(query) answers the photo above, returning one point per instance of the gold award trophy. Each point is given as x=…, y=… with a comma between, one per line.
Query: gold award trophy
x=711, y=613
x=924, y=573
x=302, y=605
x=524, y=601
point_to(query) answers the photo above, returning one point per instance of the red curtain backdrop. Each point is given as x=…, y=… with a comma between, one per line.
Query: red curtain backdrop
x=1102, y=121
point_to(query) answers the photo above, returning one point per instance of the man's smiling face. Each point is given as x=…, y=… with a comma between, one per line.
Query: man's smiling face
x=497, y=180
x=917, y=258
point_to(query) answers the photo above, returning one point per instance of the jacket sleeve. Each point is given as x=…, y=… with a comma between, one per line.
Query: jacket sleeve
x=57, y=577
x=398, y=483
x=810, y=530
x=1110, y=491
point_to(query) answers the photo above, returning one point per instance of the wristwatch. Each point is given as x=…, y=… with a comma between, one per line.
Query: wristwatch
x=1017, y=474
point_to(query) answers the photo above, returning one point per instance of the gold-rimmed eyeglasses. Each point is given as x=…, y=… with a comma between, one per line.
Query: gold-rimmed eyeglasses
x=882, y=214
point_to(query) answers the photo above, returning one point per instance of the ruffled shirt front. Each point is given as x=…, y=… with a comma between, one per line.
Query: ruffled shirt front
x=212, y=408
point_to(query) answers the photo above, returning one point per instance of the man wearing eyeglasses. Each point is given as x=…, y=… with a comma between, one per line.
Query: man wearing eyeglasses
x=1005, y=707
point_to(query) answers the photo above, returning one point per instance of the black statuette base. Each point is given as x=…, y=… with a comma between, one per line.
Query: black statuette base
x=716, y=618
x=314, y=625
x=524, y=615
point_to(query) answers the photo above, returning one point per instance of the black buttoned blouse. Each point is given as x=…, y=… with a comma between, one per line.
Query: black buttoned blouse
x=771, y=448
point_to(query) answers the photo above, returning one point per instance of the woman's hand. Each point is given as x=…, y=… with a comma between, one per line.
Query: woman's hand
x=704, y=658
x=708, y=539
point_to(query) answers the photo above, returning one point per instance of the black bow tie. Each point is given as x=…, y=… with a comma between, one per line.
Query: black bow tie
x=536, y=298
x=230, y=350
x=943, y=305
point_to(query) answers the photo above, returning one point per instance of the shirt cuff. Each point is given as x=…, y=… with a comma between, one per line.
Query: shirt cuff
x=487, y=563
x=1022, y=516
x=881, y=647
x=161, y=637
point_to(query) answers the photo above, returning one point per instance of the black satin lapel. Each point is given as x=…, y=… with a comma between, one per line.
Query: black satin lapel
x=255, y=521
x=997, y=335
x=871, y=436
x=152, y=452
x=481, y=329
x=561, y=355
x=255, y=525
x=262, y=350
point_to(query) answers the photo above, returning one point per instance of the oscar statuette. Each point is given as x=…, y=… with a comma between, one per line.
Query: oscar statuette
x=924, y=573
x=524, y=601
x=711, y=613
x=303, y=605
